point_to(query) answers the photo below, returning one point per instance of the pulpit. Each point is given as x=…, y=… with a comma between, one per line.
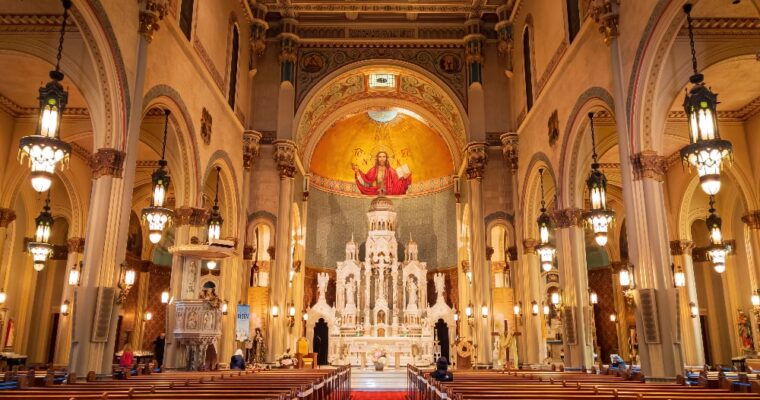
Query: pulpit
x=198, y=326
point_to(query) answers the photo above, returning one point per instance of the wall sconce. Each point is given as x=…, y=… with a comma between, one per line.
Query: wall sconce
x=148, y=316
x=456, y=315
x=275, y=311
x=518, y=309
x=291, y=315
x=593, y=297
x=128, y=277
x=305, y=316
x=65, y=308
x=693, y=310
x=74, y=274
x=225, y=307
x=469, y=276
x=534, y=308
x=679, y=277
x=484, y=311
x=468, y=312
x=627, y=283
x=211, y=264
x=291, y=275
x=613, y=318
x=547, y=310
x=3, y=296
x=755, y=298
x=165, y=297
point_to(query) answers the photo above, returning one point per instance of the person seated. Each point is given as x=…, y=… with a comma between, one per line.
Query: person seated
x=237, y=362
x=441, y=373
x=617, y=362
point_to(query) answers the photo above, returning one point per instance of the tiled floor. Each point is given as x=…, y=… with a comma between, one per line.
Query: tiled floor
x=387, y=380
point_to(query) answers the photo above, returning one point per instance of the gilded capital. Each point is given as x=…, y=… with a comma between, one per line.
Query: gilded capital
x=567, y=218
x=75, y=245
x=285, y=157
x=606, y=14
x=182, y=216
x=251, y=147
x=154, y=11
x=510, y=148
x=107, y=162
x=7, y=216
x=648, y=164
x=477, y=158
x=529, y=246
x=198, y=216
x=681, y=247
x=752, y=219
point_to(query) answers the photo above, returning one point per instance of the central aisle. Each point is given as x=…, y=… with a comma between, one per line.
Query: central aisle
x=390, y=380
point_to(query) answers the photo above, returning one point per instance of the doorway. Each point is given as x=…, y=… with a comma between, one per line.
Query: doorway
x=321, y=338
x=442, y=331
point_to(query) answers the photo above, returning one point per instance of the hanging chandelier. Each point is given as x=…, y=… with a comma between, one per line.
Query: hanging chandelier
x=706, y=149
x=44, y=149
x=717, y=250
x=157, y=215
x=544, y=249
x=215, y=218
x=599, y=218
x=40, y=248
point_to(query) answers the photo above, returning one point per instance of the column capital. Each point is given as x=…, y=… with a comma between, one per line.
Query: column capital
x=567, y=218
x=154, y=11
x=193, y=216
x=606, y=13
x=681, y=247
x=251, y=147
x=529, y=246
x=477, y=158
x=510, y=148
x=259, y=27
x=752, y=219
x=7, y=216
x=75, y=245
x=285, y=157
x=107, y=161
x=648, y=164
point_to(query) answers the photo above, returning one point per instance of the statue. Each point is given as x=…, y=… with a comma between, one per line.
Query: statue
x=745, y=331
x=439, y=280
x=496, y=354
x=350, y=290
x=258, y=348
x=323, y=278
x=412, y=303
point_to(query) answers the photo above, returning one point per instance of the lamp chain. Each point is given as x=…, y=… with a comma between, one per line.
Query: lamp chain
x=216, y=195
x=543, y=203
x=593, y=141
x=166, y=128
x=66, y=6
x=687, y=9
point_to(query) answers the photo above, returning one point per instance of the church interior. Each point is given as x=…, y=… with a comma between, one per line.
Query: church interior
x=362, y=199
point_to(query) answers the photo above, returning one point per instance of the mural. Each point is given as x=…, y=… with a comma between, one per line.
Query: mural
x=378, y=152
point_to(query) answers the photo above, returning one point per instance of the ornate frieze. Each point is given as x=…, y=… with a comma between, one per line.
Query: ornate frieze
x=285, y=158
x=510, y=147
x=567, y=218
x=681, y=247
x=648, y=164
x=7, y=216
x=752, y=219
x=251, y=147
x=75, y=245
x=154, y=11
x=606, y=13
x=107, y=162
x=477, y=158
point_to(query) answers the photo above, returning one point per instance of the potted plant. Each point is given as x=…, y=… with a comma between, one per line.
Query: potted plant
x=379, y=358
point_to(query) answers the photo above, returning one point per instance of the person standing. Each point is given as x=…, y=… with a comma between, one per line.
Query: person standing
x=158, y=350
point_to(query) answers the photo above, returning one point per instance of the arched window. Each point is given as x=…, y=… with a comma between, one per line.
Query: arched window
x=527, y=67
x=573, y=19
x=186, y=17
x=234, y=66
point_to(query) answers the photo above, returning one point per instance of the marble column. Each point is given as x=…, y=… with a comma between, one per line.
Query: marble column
x=63, y=337
x=532, y=337
x=691, y=332
x=571, y=254
x=477, y=157
x=277, y=329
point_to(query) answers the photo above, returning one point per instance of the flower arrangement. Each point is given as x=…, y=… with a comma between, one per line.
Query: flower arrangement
x=379, y=357
x=287, y=359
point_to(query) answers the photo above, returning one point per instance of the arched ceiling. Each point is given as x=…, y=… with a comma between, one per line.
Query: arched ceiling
x=357, y=139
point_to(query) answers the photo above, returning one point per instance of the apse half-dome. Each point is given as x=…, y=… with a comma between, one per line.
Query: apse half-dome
x=346, y=156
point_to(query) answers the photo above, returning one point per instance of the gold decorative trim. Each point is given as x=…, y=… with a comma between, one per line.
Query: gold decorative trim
x=681, y=247
x=752, y=219
x=107, y=162
x=7, y=216
x=648, y=164
x=75, y=245
x=208, y=63
x=567, y=218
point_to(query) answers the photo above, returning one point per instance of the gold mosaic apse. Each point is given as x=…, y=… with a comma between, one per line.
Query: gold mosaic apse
x=411, y=145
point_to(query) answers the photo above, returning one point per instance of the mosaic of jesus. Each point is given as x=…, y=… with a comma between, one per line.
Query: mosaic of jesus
x=382, y=179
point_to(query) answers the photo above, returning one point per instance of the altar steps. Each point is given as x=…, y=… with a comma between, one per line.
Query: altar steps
x=371, y=380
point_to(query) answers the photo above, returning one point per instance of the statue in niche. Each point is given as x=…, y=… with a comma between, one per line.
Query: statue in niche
x=350, y=290
x=439, y=280
x=192, y=320
x=323, y=278
x=207, y=322
x=412, y=296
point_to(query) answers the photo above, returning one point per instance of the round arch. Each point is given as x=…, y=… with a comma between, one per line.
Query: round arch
x=531, y=198
x=229, y=196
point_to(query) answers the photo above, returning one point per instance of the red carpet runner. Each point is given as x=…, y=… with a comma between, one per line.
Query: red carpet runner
x=355, y=395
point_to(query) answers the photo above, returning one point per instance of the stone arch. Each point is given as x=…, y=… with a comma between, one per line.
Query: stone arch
x=166, y=97
x=593, y=99
x=345, y=89
x=228, y=192
x=529, y=203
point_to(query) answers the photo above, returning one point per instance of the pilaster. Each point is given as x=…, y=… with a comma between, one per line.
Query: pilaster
x=693, y=351
x=534, y=340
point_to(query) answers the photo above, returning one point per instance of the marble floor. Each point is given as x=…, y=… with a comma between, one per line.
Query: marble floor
x=371, y=380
